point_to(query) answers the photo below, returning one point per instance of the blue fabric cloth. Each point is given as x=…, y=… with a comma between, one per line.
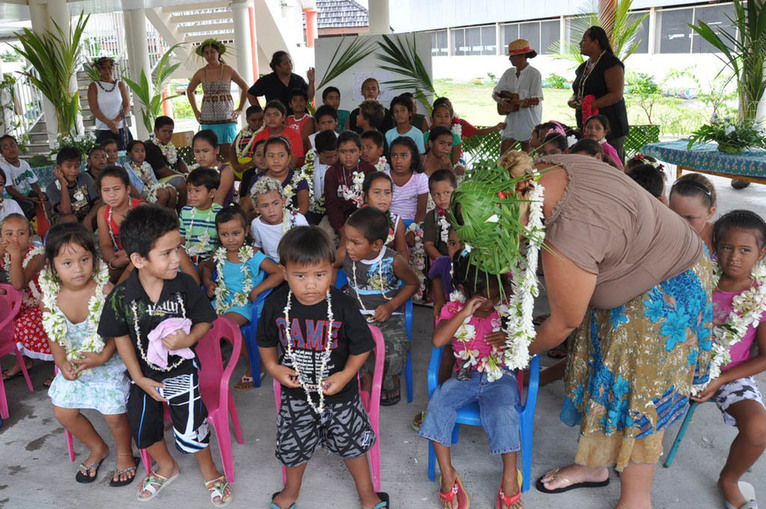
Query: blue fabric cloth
x=234, y=278
x=707, y=158
x=414, y=133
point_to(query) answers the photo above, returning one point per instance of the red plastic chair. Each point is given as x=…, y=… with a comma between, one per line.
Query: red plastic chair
x=10, y=304
x=370, y=401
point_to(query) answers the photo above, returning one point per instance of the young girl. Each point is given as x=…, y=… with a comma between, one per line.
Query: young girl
x=410, y=184
x=153, y=191
x=274, y=120
x=442, y=115
x=274, y=218
x=240, y=270
x=113, y=186
x=498, y=399
x=248, y=178
x=693, y=197
x=91, y=374
x=592, y=148
x=439, y=151
x=401, y=109
x=597, y=128
x=205, y=146
x=23, y=262
x=740, y=241
x=542, y=130
x=244, y=143
x=294, y=182
x=553, y=143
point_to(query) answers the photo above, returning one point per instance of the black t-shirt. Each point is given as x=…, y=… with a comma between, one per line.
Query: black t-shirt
x=308, y=329
x=272, y=87
x=384, y=127
x=181, y=297
x=154, y=156
x=595, y=85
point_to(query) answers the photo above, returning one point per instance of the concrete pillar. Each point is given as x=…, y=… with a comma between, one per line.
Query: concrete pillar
x=380, y=20
x=138, y=57
x=312, y=32
x=253, y=44
x=242, y=40
x=5, y=99
x=562, y=35
x=653, y=36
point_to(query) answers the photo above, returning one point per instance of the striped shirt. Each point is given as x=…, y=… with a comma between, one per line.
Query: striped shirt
x=198, y=231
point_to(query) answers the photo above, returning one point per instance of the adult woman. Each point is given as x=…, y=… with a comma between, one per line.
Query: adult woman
x=218, y=113
x=603, y=77
x=279, y=83
x=108, y=100
x=640, y=277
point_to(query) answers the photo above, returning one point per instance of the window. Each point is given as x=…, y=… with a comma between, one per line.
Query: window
x=642, y=34
x=489, y=40
x=717, y=17
x=458, y=42
x=530, y=32
x=473, y=38
x=549, y=34
x=675, y=34
x=510, y=33
x=439, y=43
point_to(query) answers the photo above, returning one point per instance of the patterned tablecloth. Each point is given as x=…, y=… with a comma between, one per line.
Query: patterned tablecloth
x=705, y=157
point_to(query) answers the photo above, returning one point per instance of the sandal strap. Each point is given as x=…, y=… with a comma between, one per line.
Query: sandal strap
x=151, y=480
x=125, y=470
x=450, y=494
x=509, y=500
x=216, y=487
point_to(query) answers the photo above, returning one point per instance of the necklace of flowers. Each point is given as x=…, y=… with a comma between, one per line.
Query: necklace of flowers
x=418, y=257
x=289, y=220
x=33, y=297
x=366, y=312
x=134, y=308
x=457, y=126
x=203, y=239
x=289, y=190
x=353, y=192
x=443, y=225
x=746, y=311
x=381, y=164
x=168, y=149
x=223, y=298
x=391, y=228
x=316, y=204
x=587, y=70
x=308, y=389
x=242, y=152
x=54, y=320
x=110, y=222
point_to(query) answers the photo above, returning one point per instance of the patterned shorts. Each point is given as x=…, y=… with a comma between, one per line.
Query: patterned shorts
x=343, y=429
x=741, y=389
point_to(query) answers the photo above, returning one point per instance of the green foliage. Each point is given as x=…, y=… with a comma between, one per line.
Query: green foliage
x=151, y=104
x=731, y=135
x=55, y=57
x=10, y=56
x=182, y=109
x=358, y=49
x=400, y=56
x=39, y=160
x=91, y=71
x=7, y=85
x=644, y=92
x=555, y=81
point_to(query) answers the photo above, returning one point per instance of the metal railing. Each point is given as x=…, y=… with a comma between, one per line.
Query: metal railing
x=27, y=106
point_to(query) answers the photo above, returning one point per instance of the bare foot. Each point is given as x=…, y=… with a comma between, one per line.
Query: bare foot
x=731, y=492
x=573, y=474
x=510, y=488
x=124, y=461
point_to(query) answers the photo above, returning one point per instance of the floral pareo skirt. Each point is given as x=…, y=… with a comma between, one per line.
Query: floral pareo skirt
x=630, y=369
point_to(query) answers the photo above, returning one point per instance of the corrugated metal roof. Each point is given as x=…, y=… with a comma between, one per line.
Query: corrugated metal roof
x=340, y=14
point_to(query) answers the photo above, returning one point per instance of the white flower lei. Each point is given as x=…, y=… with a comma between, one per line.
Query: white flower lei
x=222, y=293
x=381, y=164
x=418, y=256
x=443, y=227
x=746, y=310
x=325, y=355
x=54, y=320
x=290, y=189
x=355, y=286
x=353, y=193
x=457, y=127
x=204, y=239
x=289, y=220
x=134, y=308
x=242, y=152
x=491, y=364
x=168, y=149
x=316, y=203
x=32, y=297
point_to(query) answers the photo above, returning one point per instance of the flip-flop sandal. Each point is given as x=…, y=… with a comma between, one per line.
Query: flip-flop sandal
x=748, y=492
x=216, y=488
x=417, y=421
x=152, y=480
x=457, y=491
x=7, y=377
x=118, y=473
x=272, y=505
x=391, y=400
x=571, y=486
x=245, y=383
x=508, y=501
x=85, y=478
x=384, y=500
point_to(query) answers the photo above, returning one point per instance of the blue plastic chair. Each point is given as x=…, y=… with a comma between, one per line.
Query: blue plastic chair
x=469, y=415
x=340, y=281
x=681, y=432
x=248, y=334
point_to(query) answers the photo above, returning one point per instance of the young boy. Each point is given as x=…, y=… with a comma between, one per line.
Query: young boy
x=156, y=291
x=401, y=109
x=163, y=156
x=373, y=144
x=96, y=162
x=244, y=143
x=339, y=183
x=441, y=184
x=331, y=97
x=300, y=120
x=370, y=92
x=78, y=203
x=326, y=119
x=268, y=228
x=337, y=339
x=198, y=217
x=326, y=155
x=111, y=154
x=20, y=181
x=374, y=274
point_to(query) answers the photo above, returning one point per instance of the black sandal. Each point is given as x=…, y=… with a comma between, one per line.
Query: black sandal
x=118, y=473
x=85, y=478
x=392, y=397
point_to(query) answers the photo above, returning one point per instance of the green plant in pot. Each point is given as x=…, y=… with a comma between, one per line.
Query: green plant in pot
x=151, y=104
x=732, y=136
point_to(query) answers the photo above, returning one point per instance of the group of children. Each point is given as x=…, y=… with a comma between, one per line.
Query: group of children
x=312, y=201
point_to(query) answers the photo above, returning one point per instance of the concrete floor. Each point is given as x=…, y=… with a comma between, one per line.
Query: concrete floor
x=35, y=471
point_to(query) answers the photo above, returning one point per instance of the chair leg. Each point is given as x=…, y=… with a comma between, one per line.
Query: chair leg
x=527, y=432
x=23, y=367
x=408, y=377
x=221, y=427
x=70, y=445
x=235, y=419
x=431, y=462
x=255, y=365
x=375, y=465
x=147, y=460
x=680, y=436
x=4, y=412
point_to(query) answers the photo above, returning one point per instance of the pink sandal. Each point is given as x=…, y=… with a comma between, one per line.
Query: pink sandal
x=457, y=490
x=508, y=501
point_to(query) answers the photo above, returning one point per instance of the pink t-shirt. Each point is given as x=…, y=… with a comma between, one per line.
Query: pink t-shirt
x=483, y=326
x=740, y=352
x=405, y=199
x=611, y=152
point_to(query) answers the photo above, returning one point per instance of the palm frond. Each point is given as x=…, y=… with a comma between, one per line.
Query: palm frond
x=358, y=49
x=400, y=56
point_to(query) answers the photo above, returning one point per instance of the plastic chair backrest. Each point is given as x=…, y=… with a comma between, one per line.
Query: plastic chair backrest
x=10, y=304
x=248, y=334
x=209, y=352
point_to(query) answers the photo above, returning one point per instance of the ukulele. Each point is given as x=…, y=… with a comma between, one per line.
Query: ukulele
x=510, y=102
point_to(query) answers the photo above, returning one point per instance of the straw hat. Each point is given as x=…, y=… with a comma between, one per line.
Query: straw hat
x=521, y=47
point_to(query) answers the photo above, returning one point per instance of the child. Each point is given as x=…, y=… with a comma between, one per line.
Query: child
x=198, y=217
x=152, y=190
x=205, y=146
x=410, y=183
x=243, y=274
x=96, y=162
x=157, y=299
x=375, y=272
x=91, y=374
x=373, y=145
x=542, y=130
x=378, y=190
x=248, y=178
x=8, y=206
x=78, y=203
x=597, y=128
x=639, y=159
x=498, y=400
x=370, y=93
x=439, y=151
x=163, y=156
x=740, y=242
x=274, y=219
x=244, y=143
x=295, y=183
x=553, y=143
x=300, y=120
x=274, y=118
x=326, y=119
x=401, y=109
x=343, y=181
x=320, y=403
x=20, y=181
x=442, y=115
x=693, y=197
x=112, y=155
x=22, y=262
x=651, y=179
x=324, y=155
x=436, y=226
x=331, y=97
x=418, y=120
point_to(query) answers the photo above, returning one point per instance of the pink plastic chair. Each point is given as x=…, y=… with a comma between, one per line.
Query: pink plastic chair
x=214, y=386
x=371, y=403
x=10, y=304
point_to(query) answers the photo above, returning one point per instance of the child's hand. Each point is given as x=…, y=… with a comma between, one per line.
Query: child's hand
x=334, y=384
x=176, y=340
x=437, y=310
x=286, y=376
x=89, y=360
x=150, y=387
x=496, y=339
x=210, y=289
x=473, y=304
x=709, y=391
x=120, y=260
x=253, y=295
x=68, y=372
x=13, y=249
x=409, y=237
x=382, y=313
x=59, y=174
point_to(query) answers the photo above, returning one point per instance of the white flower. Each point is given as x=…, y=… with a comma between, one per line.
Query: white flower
x=492, y=219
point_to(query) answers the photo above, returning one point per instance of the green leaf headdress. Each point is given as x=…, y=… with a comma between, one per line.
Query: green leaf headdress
x=218, y=45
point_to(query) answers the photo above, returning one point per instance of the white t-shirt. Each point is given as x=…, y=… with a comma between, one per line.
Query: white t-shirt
x=404, y=202
x=21, y=177
x=267, y=236
x=9, y=206
x=320, y=170
x=529, y=83
x=314, y=135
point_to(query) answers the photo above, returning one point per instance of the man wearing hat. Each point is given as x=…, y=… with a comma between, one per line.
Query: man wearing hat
x=519, y=91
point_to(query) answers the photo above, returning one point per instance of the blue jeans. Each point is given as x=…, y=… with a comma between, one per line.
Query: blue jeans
x=499, y=405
